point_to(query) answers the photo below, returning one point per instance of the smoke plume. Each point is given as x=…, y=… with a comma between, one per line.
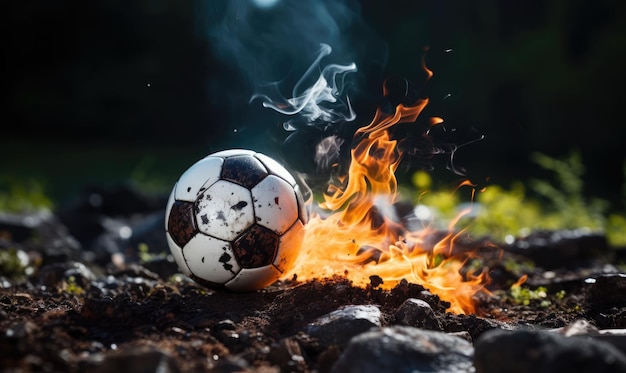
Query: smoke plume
x=298, y=58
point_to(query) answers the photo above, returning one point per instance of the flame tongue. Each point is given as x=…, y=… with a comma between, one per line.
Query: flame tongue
x=374, y=162
x=358, y=240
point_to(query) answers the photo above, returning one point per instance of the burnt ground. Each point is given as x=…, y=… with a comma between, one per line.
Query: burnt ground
x=74, y=312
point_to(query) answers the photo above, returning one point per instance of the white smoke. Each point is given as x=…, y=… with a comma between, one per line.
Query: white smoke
x=328, y=151
x=268, y=44
x=322, y=103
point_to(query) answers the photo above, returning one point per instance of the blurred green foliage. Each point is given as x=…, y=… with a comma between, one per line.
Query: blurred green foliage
x=558, y=202
x=11, y=265
x=23, y=195
x=71, y=286
x=524, y=295
x=147, y=178
x=146, y=256
x=555, y=202
x=567, y=206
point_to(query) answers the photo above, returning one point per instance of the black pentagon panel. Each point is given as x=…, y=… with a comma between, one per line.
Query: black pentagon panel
x=181, y=223
x=256, y=247
x=244, y=170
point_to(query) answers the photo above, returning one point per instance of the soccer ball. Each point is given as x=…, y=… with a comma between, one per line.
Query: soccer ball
x=235, y=220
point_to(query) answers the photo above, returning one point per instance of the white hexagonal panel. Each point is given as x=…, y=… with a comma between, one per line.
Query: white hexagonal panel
x=276, y=168
x=224, y=210
x=231, y=152
x=250, y=279
x=289, y=247
x=200, y=175
x=177, y=253
x=210, y=259
x=275, y=204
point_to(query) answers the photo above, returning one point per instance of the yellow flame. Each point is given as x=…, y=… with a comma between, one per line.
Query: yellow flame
x=355, y=237
x=357, y=240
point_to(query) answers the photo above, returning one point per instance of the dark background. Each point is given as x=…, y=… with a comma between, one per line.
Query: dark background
x=102, y=91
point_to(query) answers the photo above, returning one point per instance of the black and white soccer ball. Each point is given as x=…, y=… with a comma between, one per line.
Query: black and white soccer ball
x=235, y=219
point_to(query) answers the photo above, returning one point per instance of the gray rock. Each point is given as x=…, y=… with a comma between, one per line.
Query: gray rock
x=543, y=352
x=405, y=349
x=561, y=248
x=339, y=326
x=52, y=274
x=614, y=337
x=418, y=313
x=584, y=329
x=287, y=355
x=137, y=359
x=578, y=327
x=41, y=232
x=608, y=290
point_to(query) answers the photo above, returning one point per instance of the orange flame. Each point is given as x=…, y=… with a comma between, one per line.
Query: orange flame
x=520, y=281
x=358, y=240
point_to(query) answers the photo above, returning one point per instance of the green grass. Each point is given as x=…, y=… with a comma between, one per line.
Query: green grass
x=11, y=264
x=555, y=203
x=23, y=195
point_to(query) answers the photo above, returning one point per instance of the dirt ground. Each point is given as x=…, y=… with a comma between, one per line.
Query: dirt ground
x=131, y=316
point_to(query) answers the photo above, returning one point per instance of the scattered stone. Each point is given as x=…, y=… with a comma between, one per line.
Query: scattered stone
x=147, y=232
x=471, y=324
x=608, y=290
x=14, y=339
x=543, y=351
x=135, y=271
x=583, y=328
x=104, y=220
x=465, y=335
x=119, y=200
x=232, y=335
x=286, y=354
x=164, y=266
x=327, y=358
x=578, y=327
x=226, y=324
x=611, y=318
x=405, y=349
x=41, y=232
x=233, y=364
x=339, y=326
x=561, y=248
x=418, y=313
x=138, y=359
x=615, y=337
x=20, y=330
x=52, y=274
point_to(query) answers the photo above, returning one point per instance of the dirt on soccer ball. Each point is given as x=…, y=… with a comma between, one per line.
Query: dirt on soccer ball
x=235, y=220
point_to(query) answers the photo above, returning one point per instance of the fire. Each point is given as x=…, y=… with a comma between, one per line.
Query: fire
x=356, y=239
x=520, y=281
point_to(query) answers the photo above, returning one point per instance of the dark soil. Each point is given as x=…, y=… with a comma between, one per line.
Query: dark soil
x=63, y=328
x=78, y=312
